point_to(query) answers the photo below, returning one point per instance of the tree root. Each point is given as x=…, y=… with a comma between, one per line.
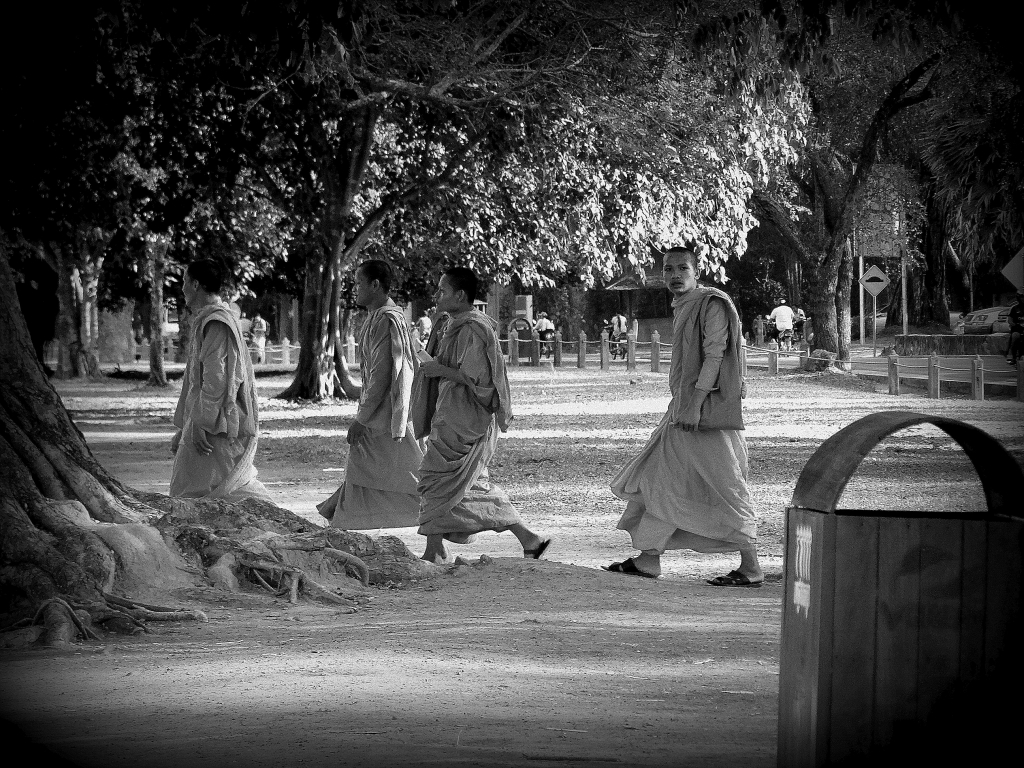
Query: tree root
x=144, y=612
x=297, y=579
x=86, y=633
x=347, y=558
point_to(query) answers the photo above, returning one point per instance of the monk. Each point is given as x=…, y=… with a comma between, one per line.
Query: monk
x=688, y=487
x=217, y=416
x=380, y=479
x=462, y=402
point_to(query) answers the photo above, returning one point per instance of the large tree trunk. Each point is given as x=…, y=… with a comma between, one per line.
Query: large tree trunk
x=156, y=252
x=322, y=371
x=934, y=238
x=91, y=247
x=69, y=531
x=70, y=360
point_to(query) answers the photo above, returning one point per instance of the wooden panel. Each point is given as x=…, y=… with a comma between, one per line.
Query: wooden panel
x=939, y=656
x=807, y=593
x=972, y=600
x=896, y=626
x=1003, y=594
x=853, y=637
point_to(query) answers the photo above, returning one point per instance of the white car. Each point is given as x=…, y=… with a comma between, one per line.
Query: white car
x=991, y=320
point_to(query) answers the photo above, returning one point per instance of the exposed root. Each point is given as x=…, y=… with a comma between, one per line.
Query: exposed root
x=86, y=633
x=297, y=580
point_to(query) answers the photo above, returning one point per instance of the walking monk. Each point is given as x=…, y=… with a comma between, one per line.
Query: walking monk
x=216, y=417
x=462, y=402
x=688, y=487
x=380, y=480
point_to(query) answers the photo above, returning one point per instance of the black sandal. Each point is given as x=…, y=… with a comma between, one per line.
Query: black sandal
x=629, y=568
x=540, y=550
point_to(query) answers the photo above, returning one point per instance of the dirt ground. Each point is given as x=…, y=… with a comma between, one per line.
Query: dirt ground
x=507, y=663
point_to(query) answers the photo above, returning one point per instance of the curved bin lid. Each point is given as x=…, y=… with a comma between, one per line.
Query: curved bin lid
x=826, y=473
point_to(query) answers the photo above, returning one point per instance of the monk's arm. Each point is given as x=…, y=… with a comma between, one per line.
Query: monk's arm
x=715, y=330
x=377, y=386
x=209, y=408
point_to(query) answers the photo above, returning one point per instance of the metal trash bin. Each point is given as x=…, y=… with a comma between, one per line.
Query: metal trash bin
x=896, y=624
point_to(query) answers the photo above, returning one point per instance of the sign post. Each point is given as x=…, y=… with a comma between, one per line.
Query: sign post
x=874, y=282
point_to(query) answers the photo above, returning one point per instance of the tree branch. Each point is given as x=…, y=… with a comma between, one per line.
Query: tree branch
x=397, y=199
x=772, y=212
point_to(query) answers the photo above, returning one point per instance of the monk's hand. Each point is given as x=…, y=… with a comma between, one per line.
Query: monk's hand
x=688, y=417
x=201, y=441
x=433, y=369
x=356, y=433
x=176, y=441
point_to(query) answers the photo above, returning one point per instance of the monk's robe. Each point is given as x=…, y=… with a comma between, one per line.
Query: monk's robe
x=688, y=490
x=380, y=478
x=218, y=394
x=462, y=422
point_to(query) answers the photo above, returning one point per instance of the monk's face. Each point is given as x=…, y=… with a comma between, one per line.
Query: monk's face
x=190, y=289
x=679, y=272
x=366, y=291
x=446, y=298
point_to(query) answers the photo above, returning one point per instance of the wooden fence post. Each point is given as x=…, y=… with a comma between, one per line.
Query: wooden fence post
x=655, y=352
x=805, y=355
x=535, y=349
x=350, y=350
x=933, y=376
x=743, y=361
x=286, y=351
x=581, y=351
x=558, y=349
x=605, y=360
x=630, y=351
x=773, y=362
x=894, y=374
x=513, y=348
x=978, y=378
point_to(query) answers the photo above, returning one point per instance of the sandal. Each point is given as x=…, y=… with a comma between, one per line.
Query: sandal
x=629, y=568
x=734, y=579
x=540, y=550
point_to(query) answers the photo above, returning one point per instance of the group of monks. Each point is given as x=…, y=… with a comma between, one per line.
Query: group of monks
x=429, y=415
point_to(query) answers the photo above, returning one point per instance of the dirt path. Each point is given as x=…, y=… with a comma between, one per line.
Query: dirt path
x=503, y=664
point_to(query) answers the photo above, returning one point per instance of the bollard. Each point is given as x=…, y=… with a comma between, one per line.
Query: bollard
x=535, y=349
x=513, y=348
x=581, y=351
x=894, y=374
x=558, y=349
x=630, y=351
x=895, y=624
x=605, y=358
x=759, y=331
x=805, y=355
x=933, y=376
x=978, y=378
x=350, y=350
x=773, y=362
x=655, y=352
x=286, y=351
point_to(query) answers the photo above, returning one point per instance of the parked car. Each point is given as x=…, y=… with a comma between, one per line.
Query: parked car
x=991, y=320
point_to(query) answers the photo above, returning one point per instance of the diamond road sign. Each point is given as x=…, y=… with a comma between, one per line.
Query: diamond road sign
x=874, y=281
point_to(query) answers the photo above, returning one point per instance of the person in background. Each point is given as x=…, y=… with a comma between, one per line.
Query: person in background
x=545, y=332
x=424, y=325
x=461, y=402
x=1016, y=321
x=384, y=456
x=258, y=337
x=687, y=489
x=783, y=316
x=217, y=414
